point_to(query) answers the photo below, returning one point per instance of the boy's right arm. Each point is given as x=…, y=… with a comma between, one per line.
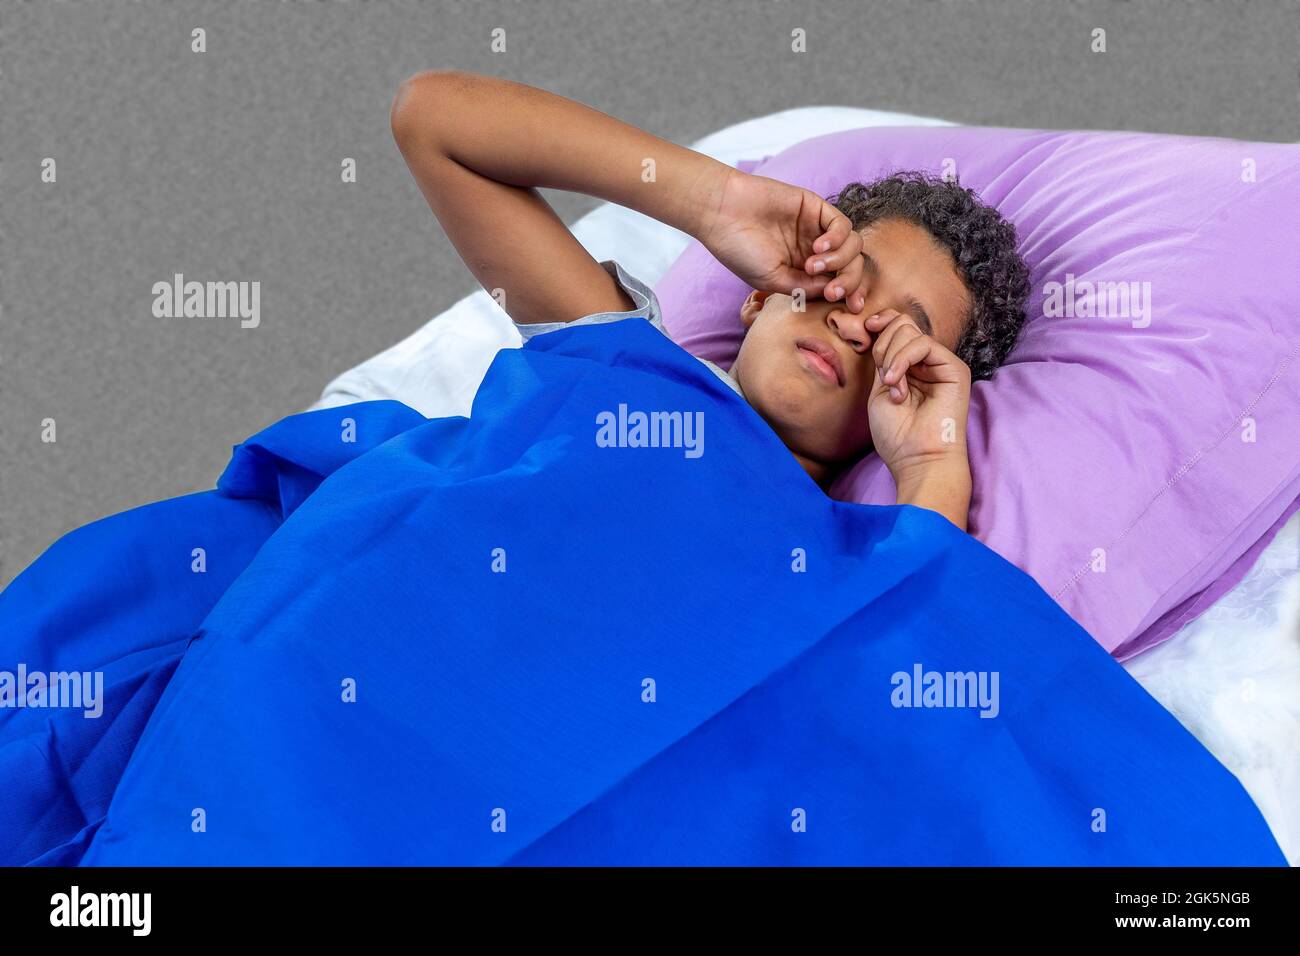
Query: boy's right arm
x=480, y=148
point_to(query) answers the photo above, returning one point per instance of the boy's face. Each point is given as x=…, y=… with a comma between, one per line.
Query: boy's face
x=809, y=373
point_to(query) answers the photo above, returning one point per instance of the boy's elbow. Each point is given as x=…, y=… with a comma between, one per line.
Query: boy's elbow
x=424, y=106
x=408, y=116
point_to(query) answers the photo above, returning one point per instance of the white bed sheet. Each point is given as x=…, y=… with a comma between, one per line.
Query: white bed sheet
x=1232, y=677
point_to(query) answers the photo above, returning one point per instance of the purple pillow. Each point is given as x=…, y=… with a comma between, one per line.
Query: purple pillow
x=1134, y=456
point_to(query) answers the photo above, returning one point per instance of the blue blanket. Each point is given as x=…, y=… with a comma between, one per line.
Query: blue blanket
x=571, y=630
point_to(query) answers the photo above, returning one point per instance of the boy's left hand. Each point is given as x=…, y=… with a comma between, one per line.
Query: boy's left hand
x=919, y=399
x=779, y=238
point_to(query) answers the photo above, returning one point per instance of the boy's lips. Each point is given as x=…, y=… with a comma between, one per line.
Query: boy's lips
x=822, y=359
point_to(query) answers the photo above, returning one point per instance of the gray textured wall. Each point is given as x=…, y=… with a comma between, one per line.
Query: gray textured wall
x=225, y=165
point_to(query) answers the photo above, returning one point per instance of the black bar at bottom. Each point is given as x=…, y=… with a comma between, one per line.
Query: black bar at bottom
x=208, y=905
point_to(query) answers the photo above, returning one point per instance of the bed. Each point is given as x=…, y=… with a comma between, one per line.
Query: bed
x=1231, y=676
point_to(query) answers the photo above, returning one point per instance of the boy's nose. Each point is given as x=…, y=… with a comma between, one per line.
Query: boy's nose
x=850, y=328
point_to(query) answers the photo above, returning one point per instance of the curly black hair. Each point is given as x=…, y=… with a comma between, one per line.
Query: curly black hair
x=981, y=242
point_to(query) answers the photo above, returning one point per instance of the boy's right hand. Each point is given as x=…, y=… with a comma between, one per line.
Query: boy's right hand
x=779, y=238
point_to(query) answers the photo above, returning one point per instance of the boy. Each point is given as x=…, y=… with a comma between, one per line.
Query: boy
x=898, y=277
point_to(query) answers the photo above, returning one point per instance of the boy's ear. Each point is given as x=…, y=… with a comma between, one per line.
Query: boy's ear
x=750, y=308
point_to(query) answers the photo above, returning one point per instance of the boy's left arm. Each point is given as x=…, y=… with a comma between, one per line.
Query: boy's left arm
x=918, y=408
